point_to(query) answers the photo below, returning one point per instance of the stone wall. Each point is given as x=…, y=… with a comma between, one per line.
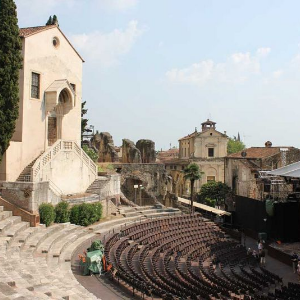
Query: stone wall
x=104, y=143
x=33, y=219
x=147, y=150
x=153, y=178
x=130, y=153
x=108, y=208
x=27, y=195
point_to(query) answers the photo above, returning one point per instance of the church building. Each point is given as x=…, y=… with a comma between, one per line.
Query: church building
x=46, y=147
x=207, y=148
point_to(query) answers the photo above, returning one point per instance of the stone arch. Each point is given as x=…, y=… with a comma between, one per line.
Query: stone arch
x=211, y=173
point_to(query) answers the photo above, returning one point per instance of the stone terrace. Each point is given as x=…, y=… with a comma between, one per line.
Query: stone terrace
x=35, y=262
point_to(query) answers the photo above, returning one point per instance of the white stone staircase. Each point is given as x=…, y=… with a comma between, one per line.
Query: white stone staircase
x=35, y=262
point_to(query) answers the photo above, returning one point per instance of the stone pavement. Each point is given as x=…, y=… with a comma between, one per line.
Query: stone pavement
x=275, y=266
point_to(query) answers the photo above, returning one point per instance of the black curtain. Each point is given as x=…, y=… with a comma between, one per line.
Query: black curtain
x=286, y=225
x=283, y=226
x=250, y=214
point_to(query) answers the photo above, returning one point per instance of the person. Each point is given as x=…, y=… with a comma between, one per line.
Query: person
x=294, y=261
x=249, y=251
x=262, y=255
x=254, y=253
x=298, y=270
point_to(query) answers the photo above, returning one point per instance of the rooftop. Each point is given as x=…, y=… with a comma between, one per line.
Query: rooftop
x=29, y=31
x=257, y=152
x=25, y=32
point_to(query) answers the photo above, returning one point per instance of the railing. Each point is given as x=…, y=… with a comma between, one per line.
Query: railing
x=51, y=153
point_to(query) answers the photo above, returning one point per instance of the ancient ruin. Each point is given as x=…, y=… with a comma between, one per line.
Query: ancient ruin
x=147, y=149
x=130, y=153
x=104, y=143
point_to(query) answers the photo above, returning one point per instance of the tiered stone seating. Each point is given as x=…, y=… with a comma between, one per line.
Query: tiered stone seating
x=28, y=269
x=35, y=263
x=184, y=257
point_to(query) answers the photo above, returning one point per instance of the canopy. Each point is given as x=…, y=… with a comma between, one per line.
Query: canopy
x=216, y=211
x=292, y=170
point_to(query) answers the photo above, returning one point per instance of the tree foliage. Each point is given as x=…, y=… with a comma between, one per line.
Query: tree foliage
x=62, y=212
x=235, y=146
x=47, y=214
x=86, y=213
x=52, y=21
x=10, y=64
x=91, y=153
x=84, y=121
x=192, y=173
x=213, y=192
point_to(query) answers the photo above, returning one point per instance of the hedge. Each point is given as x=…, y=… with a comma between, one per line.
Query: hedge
x=83, y=214
x=62, y=212
x=47, y=213
x=86, y=213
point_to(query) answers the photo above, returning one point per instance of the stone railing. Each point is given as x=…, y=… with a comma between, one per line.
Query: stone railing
x=53, y=151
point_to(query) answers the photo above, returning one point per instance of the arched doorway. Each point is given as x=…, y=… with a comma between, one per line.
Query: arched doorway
x=55, y=117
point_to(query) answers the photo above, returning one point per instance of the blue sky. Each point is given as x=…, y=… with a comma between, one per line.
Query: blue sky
x=156, y=69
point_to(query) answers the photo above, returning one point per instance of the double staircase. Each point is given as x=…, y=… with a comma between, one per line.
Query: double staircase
x=33, y=172
x=25, y=176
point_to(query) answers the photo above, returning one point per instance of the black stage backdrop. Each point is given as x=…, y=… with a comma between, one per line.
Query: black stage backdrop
x=284, y=225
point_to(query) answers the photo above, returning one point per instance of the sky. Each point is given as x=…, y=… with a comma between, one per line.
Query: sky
x=156, y=69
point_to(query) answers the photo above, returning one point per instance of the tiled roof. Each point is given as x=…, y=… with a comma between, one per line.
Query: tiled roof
x=28, y=31
x=163, y=156
x=189, y=136
x=257, y=152
x=25, y=32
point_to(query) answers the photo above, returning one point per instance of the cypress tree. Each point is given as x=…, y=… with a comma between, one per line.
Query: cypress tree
x=10, y=64
x=49, y=22
x=55, y=20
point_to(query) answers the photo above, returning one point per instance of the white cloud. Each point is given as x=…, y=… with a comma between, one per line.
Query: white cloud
x=277, y=74
x=197, y=74
x=107, y=48
x=261, y=52
x=236, y=69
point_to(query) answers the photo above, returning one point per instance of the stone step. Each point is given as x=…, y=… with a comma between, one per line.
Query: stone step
x=8, y=222
x=162, y=214
x=66, y=255
x=59, y=247
x=127, y=209
x=5, y=214
x=46, y=245
x=35, y=240
x=23, y=236
x=15, y=229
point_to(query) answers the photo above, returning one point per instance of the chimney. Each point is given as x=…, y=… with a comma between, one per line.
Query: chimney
x=268, y=144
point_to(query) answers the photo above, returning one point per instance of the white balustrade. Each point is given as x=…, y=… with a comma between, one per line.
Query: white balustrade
x=60, y=146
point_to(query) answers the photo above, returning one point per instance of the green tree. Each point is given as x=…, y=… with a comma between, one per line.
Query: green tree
x=84, y=121
x=52, y=21
x=213, y=192
x=49, y=22
x=235, y=146
x=10, y=64
x=192, y=173
x=55, y=20
x=90, y=152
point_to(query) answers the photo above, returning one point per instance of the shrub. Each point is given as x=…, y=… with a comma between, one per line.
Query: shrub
x=47, y=214
x=74, y=214
x=62, y=212
x=86, y=214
